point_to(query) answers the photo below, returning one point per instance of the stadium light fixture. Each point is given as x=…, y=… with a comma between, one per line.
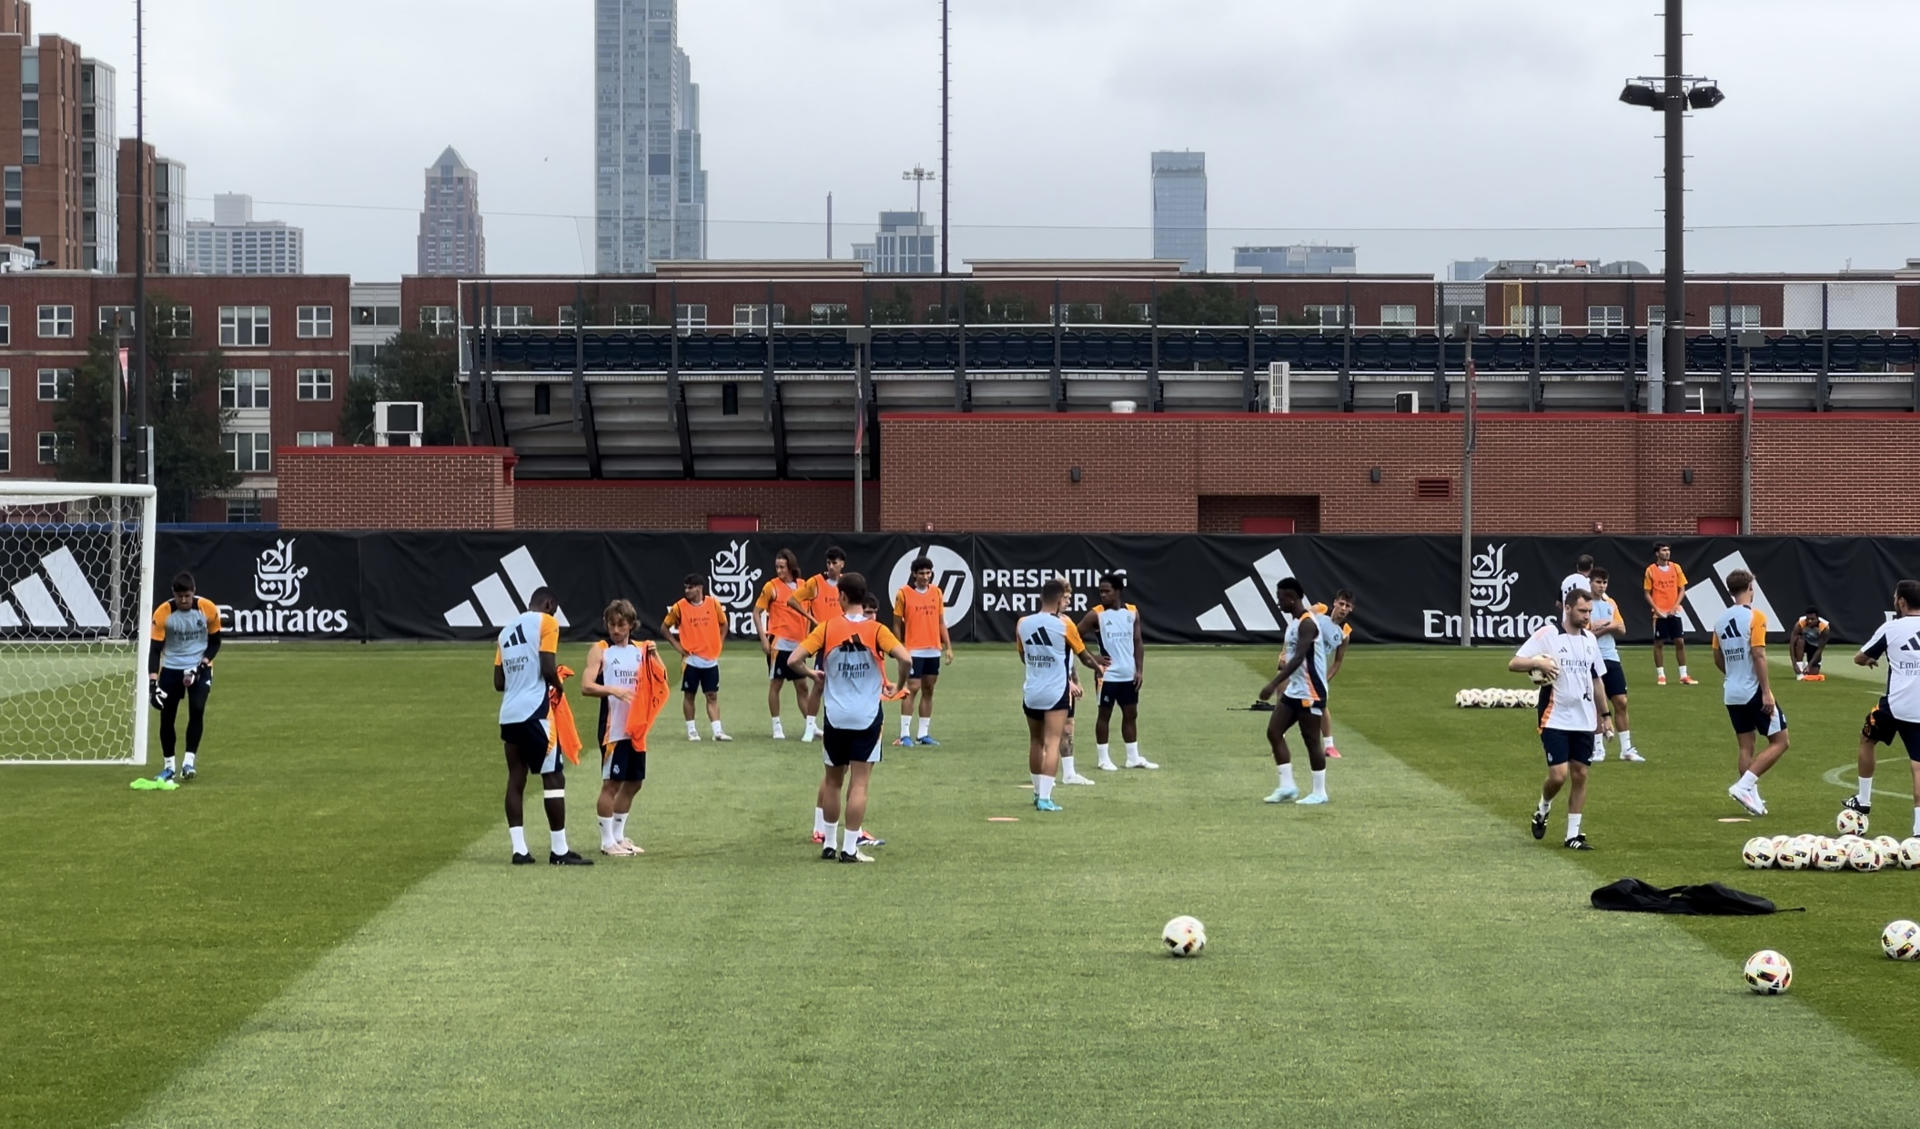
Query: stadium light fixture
x=1705, y=96
x=1636, y=94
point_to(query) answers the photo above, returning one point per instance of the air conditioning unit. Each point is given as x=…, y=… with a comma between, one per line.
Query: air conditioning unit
x=1406, y=403
x=398, y=423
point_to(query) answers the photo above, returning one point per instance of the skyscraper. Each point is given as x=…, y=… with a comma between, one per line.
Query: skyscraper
x=451, y=238
x=1180, y=208
x=236, y=243
x=650, y=193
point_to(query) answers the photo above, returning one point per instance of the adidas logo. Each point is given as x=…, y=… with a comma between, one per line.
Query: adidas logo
x=495, y=602
x=1251, y=600
x=1704, y=602
x=69, y=602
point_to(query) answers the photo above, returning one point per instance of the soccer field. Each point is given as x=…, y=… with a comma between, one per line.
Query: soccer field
x=323, y=929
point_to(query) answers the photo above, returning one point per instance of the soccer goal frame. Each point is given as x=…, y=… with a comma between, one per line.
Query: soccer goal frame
x=127, y=623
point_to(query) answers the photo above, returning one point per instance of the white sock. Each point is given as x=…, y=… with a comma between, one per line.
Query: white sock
x=620, y=824
x=1046, y=787
x=519, y=837
x=1573, y=825
x=1546, y=806
x=778, y=733
x=189, y=760
x=1319, y=782
x=1662, y=670
x=1626, y=740
x=1102, y=751
x=1865, y=794
x=1326, y=743
x=906, y=727
x=607, y=837
x=1683, y=670
x=1748, y=782
x=813, y=723
x=1133, y=750
x=167, y=764
x=716, y=729
x=1286, y=775
x=1035, y=777
x=926, y=727
x=850, y=840
x=1916, y=822
x=559, y=841
x=693, y=729
x=1066, y=768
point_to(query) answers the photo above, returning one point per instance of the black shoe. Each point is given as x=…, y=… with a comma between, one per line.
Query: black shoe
x=828, y=854
x=1539, y=825
x=1261, y=707
x=521, y=858
x=1578, y=843
x=855, y=856
x=1853, y=803
x=571, y=858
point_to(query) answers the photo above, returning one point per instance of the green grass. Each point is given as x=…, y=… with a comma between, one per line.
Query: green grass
x=323, y=929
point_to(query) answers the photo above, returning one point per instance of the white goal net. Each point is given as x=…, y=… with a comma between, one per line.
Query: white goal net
x=76, y=585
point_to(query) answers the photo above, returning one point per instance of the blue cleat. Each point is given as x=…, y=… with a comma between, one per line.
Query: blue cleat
x=1046, y=805
x=166, y=776
x=187, y=773
x=1282, y=795
x=1315, y=798
x=929, y=742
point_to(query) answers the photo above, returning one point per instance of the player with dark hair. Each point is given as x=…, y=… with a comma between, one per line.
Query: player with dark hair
x=1740, y=651
x=1116, y=624
x=818, y=598
x=525, y=671
x=185, y=638
x=696, y=626
x=1312, y=640
x=1608, y=627
x=920, y=609
x=782, y=627
x=630, y=681
x=1808, y=642
x=1047, y=642
x=1665, y=584
x=1897, y=713
x=1572, y=708
x=1341, y=612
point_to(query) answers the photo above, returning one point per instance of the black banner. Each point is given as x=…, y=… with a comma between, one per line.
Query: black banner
x=1190, y=589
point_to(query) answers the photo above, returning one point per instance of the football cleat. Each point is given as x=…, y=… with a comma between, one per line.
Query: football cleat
x=818, y=838
x=1632, y=756
x=1076, y=778
x=856, y=856
x=1046, y=805
x=165, y=776
x=1689, y=680
x=723, y=736
x=617, y=850
x=1660, y=681
x=1282, y=795
x=828, y=854
x=571, y=858
x=1107, y=766
x=1748, y=799
x=1314, y=799
x=1599, y=754
x=1852, y=803
x=1578, y=843
x=522, y=859
x=1539, y=825
x=187, y=773
x=902, y=742
x=1141, y=762
x=1333, y=753
x=929, y=742
x=867, y=840
x=633, y=847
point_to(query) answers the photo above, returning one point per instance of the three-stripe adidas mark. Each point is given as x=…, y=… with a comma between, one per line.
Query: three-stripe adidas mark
x=1251, y=599
x=37, y=602
x=1040, y=638
x=493, y=599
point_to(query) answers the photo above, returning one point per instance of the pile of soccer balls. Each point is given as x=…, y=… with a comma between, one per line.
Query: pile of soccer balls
x=1496, y=699
x=1849, y=850
x=1184, y=936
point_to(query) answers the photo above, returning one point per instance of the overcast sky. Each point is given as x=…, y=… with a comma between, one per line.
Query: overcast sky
x=1487, y=127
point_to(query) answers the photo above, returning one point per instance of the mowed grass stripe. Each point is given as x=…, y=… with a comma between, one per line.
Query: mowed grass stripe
x=1399, y=957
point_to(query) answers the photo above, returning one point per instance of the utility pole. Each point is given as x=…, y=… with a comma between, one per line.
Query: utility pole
x=946, y=103
x=139, y=374
x=1674, y=396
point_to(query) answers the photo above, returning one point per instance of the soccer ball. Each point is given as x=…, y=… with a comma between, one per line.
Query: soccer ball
x=1185, y=936
x=1540, y=677
x=1901, y=940
x=1758, y=854
x=1889, y=850
x=1793, y=856
x=1780, y=841
x=1768, y=973
x=1910, y=854
x=1828, y=855
x=1850, y=822
x=1863, y=856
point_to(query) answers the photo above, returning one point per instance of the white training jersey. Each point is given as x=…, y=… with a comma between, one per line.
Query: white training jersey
x=852, y=652
x=1605, y=614
x=1116, y=640
x=1898, y=642
x=1048, y=642
x=1309, y=681
x=521, y=644
x=619, y=669
x=1567, y=702
x=1737, y=634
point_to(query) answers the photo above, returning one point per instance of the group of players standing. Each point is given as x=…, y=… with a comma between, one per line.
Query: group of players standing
x=823, y=635
x=1583, y=694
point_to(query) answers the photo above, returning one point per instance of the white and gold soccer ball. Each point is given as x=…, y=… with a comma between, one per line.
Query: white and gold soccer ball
x=1828, y=854
x=1910, y=853
x=1768, y=973
x=1184, y=936
x=1889, y=849
x=1850, y=822
x=1539, y=677
x=1863, y=856
x=1759, y=853
x=1793, y=856
x=1901, y=940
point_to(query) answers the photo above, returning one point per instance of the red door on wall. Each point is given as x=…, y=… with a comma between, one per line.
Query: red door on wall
x=1717, y=526
x=1266, y=525
x=733, y=523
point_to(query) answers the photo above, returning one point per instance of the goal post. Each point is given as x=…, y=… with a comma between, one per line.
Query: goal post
x=76, y=588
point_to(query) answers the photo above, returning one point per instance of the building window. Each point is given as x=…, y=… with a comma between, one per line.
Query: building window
x=632, y=315
x=753, y=319
x=6, y=388
x=248, y=451
x=6, y=452
x=246, y=388
x=1267, y=315
x=1521, y=318
x=180, y=385
x=243, y=511
x=56, y=321
x=829, y=313
x=1328, y=317
x=1656, y=317
x=437, y=321
x=30, y=149
x=382, y=315
x=51, y=444
x=247, y=327
x=176, y=322
x=315, y=384
x=56, y=383
x=1606, y=319
x=314, y=321
x=691, y=316
x=1744, y=317
x=6, y=325
x=314, y=439
x=509, y=317
x=366, y=361
x=1397, y=320
x=1143, y=312
x=113, y=319
x=565, y=318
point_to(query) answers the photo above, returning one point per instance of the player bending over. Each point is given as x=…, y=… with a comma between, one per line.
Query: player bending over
x=697, y=628
x=1312, y=640
x=1740, y=651
x=525, y=669
x=1116, y=624
x=1898, y=711
x=1609, y=627
x=1571, y=709
x=921, y=611
x=185, y=638
x=1047, y=642
x=631, y=682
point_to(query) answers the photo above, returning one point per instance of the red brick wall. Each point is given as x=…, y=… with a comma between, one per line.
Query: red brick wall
x=1217, y=514
x=688, y=505
x=396, y=487
x=1149, y=474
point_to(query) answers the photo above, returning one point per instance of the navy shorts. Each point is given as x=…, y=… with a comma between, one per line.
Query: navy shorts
x=1882, y=727
x=1119, y=693
x=622, y=763
x=174, y=683
x=776, y=668
x=531, y=742
x=701, y=679
x=1756, y=718
x=842, y=747
x=927, y=667
x=1669, y=628
x=1304, y=708
x=1563, y=745
x=1065, y=703
x=1614, y=679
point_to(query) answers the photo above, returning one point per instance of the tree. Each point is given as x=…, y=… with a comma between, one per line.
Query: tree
x=416, y=367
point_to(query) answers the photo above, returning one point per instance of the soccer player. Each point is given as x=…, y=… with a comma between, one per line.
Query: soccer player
x=818, y=598
x=1569, y=657
x=1312, y=639
x=1898, y=711
x=853, y=650
x=1740, y=651
x=921, y=611
x=1664, y=584
x=1580, y=578
x=525, y=671
x=1074, y=693
x=1808, y=642
x=630, y=680
x=1609, y=627
x=1047, y=642
x=782, y=627
x=1341, y=612
x=701, y=630
x=1116, y=624
x=185, y=638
